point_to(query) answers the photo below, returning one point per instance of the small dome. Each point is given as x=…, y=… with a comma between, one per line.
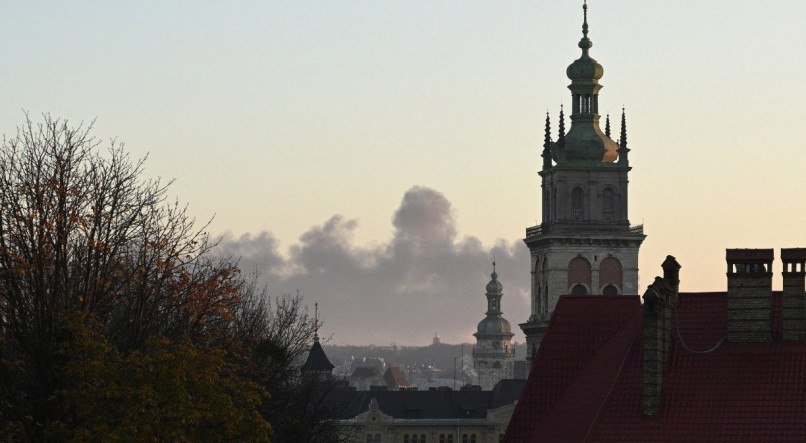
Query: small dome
x=585, y=69
x=494, y=325
x=494, y=286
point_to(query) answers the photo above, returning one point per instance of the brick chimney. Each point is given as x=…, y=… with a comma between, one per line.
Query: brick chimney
x=794, y=261
x=749, y=295
x=659, y=300
x=671, y=274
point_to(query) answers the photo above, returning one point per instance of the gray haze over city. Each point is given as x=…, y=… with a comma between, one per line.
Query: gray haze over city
x=424, y=280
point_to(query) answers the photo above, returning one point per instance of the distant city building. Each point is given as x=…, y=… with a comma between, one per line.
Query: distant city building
x=435, y=341
x=394, y=379
x=438, y=415
x=584, y=243
x=494, y=355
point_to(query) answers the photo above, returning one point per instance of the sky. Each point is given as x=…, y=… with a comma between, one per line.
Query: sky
x=374, y=154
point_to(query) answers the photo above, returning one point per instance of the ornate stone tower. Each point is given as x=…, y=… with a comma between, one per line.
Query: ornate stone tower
x=585, y=244
x=494, y=356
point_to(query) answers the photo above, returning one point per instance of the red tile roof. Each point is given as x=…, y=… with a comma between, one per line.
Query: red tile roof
x=395, y=378
x=586, y=382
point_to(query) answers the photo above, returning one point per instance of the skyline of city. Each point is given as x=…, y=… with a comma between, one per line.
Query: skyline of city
x=379, y=111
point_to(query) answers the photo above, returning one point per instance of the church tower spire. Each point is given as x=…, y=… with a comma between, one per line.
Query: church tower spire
x=623, y=150
x=585, y=244
x=493, y=356
x=547, y=144
x=586, y=143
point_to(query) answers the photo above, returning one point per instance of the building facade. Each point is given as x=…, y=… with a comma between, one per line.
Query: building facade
x=494, y=355
x=585, y=244
x=434, y=416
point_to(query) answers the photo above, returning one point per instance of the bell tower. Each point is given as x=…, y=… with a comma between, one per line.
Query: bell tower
x=584, y=244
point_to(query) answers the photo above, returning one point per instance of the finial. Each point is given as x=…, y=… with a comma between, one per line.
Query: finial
x=585, y=22
x=561, y=139
x=547, y=144
x=623, y=144
x=316, y=322
x=623, y=151
x=607, y=125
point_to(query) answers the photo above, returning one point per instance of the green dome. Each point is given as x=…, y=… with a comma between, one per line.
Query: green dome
x=494, y=325
x=587, y=143
x=585, y=69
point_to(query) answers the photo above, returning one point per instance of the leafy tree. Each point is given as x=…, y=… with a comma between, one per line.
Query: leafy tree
x=278, y=336
x=84, y=236
x=163, y=392
x=119, y=322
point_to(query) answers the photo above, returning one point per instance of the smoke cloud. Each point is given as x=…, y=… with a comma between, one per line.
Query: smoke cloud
x=424, y=280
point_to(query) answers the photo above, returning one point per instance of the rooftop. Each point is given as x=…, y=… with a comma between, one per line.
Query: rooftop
x=586, y=383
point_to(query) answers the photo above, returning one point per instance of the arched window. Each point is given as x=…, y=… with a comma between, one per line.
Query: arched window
x=610, y=274
x=577, y=202
x=579, y=272
x=406, y=439
x=609, y=204
x=610, y=290
x=579, y=289
x=422, y=438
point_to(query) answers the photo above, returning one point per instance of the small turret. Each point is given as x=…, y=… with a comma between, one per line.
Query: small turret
x=494, y=355
x=622, y=149
x=547, y=145
x=317, y=363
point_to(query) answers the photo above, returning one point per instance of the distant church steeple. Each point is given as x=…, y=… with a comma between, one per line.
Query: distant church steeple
x=584, y=244
x=317, y=363
x=493, y=356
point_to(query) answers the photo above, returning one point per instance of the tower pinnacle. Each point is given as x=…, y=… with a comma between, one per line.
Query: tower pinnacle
x=316, y=322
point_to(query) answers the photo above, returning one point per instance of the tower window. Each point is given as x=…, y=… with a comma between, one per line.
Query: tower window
x=579, y=289
x=608, y=204
x=610, y=290
x=611, y=274
x=577, y=201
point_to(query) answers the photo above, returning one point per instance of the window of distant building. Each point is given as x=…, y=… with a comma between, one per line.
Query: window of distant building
x=608, y=204
x=577, y=201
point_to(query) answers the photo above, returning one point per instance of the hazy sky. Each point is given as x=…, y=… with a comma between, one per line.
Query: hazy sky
x=278, y=116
